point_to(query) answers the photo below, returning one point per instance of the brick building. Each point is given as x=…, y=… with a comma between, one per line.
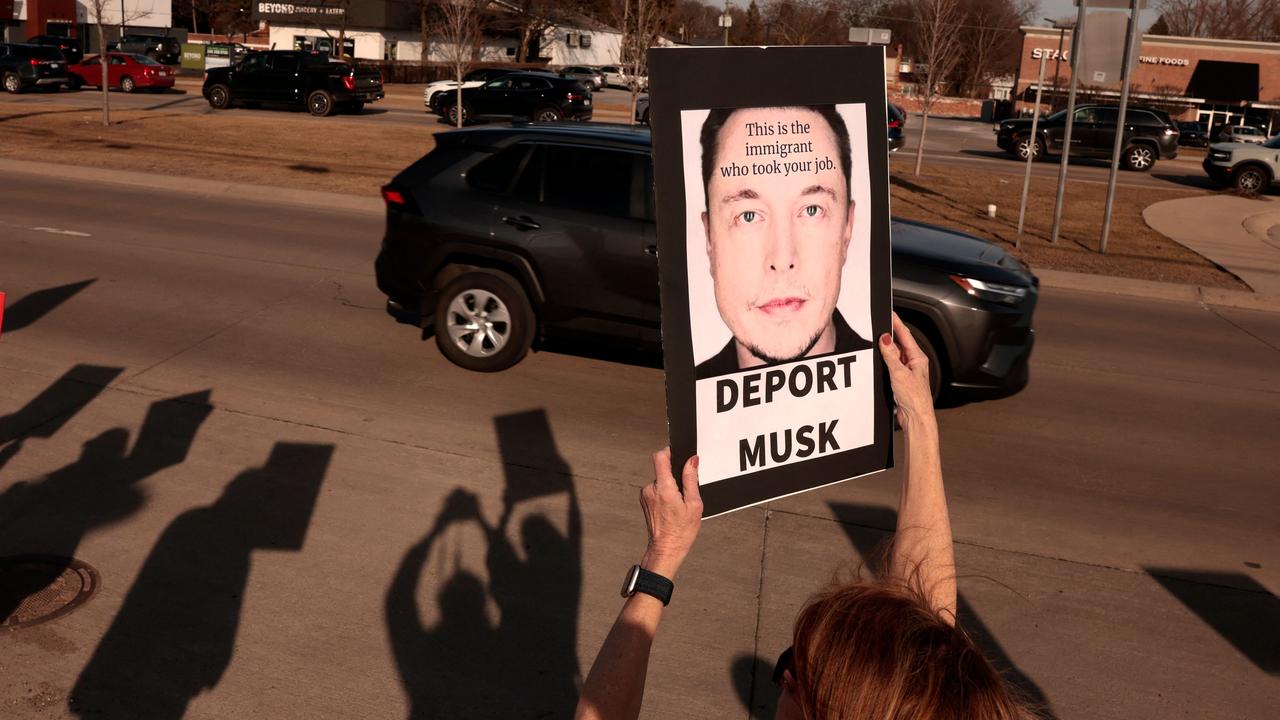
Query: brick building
x=1203, y=79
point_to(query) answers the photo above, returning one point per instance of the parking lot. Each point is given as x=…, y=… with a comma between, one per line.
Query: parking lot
x=1114, y=520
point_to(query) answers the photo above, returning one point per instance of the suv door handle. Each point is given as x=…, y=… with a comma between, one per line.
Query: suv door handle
x=651, y=250
x=524, y=222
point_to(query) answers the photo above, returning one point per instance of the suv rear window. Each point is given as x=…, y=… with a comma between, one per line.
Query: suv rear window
x=38, y=52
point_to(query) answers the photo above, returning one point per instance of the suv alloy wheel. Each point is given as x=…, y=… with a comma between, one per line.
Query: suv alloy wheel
x=483, y=321
x=219, y=97
x=546, y=114
x=1139, y=158
x=1027, y=145
x=12, y=83
x=1250, y=180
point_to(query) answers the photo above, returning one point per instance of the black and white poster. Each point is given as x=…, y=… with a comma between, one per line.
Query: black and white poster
x=771, y=172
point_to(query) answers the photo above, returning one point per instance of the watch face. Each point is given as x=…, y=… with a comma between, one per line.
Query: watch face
x=629, y=585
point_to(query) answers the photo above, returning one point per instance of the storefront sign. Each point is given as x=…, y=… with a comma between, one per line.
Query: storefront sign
x=271, y=8
x=1153, y=60
x=1050, y=54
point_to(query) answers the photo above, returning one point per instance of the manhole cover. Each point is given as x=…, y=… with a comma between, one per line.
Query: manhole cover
x=38, y=588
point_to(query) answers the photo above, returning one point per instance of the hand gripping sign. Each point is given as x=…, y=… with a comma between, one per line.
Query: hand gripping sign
x=773, y=225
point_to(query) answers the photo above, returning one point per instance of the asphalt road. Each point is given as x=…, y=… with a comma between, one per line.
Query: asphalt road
x=268, y=486
x=967, y=143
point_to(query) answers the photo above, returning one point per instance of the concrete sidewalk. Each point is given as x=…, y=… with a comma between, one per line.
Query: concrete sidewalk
x=1229, y=230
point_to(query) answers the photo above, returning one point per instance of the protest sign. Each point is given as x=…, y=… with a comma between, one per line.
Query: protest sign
x=771, y=173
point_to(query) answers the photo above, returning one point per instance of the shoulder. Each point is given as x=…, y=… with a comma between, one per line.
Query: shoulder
x=847, y=339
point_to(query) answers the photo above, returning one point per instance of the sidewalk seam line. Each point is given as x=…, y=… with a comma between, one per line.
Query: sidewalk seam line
x=1232, y=323
x=755, y=641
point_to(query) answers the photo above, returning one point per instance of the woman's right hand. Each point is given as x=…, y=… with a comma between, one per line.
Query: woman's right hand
x=909, y=376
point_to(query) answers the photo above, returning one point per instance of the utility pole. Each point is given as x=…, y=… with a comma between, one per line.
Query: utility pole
x=726, y=21
x=1131, y=40
x=1077, y=44
x=1031, y=154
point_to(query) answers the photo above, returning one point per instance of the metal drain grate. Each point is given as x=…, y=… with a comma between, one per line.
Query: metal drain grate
x=35, y=589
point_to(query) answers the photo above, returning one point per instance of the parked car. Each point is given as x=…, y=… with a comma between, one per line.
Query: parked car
x=642, y=109
x=1149, y=135
x=1241, y=134
x=432, y=93
x=162, y=49
x=70, y=47
x=897, y=127
x=23, y=67
x=291, y=77
x=538, y=96
x=504, y=235
x=124, y=71
x=1250, y=167
x=1193, y=134
x=590, y=78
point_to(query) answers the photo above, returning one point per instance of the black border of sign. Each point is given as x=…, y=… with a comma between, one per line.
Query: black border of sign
x=700, y=78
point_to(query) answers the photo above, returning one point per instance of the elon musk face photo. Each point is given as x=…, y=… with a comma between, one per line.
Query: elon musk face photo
x=777, y=243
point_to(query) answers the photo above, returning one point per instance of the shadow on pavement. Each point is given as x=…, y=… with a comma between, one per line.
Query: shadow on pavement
x=52, y=515
x=32, y=307
x=525, y=664
x=867, y=527
x=47, y=412
x=753, y=682
x=175, y=634
x=1239, y=609
x=1200, y=182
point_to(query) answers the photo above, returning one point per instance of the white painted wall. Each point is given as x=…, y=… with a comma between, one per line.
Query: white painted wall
x=606, y=47
x=149, y=13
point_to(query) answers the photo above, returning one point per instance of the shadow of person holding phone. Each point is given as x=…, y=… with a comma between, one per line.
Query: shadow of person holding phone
x=175, y=634
x=525, y=664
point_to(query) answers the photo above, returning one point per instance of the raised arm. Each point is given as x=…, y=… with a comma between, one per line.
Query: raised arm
x=922, y=552
x=615, y=686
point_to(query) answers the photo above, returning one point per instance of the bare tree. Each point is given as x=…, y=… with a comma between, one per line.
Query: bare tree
x=99, y=11
x=457, y=28
x=804, y=22
x=990, y=40
x=937, y=49
x=1229, y=19
x=642, y=22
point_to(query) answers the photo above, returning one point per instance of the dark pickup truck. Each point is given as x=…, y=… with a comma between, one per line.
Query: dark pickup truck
x=281, y=77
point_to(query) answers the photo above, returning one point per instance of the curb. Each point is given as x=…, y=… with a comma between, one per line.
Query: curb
x=269, y=195
x=1151, y=290
x=263, y=194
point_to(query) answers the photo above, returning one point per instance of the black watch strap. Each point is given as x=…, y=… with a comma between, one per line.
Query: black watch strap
x=649, y=583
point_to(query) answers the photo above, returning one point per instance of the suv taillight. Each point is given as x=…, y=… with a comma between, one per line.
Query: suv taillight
x=34, y=61
x=573, y=96
x=349, y=82
x=895, y=123
x=398, y=200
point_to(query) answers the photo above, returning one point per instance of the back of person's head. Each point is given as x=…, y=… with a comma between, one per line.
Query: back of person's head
x=878, y=650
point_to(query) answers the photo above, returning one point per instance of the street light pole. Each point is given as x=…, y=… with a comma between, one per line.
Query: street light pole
x=1066, y=133
x=1126, y=67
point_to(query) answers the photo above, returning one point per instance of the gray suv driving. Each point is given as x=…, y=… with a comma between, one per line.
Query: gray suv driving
x=503, y=236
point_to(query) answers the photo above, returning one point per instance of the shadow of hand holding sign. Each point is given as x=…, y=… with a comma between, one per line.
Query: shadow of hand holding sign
x=175, y=633
x=525, y=664
x=52, y=515
x=25, y=312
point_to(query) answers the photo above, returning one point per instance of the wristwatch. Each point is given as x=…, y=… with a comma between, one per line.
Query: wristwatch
x=650, y=583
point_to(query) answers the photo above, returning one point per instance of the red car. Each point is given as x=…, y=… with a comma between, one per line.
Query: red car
x=124, y=70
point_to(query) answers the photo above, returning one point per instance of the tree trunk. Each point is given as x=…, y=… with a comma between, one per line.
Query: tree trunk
x=458, y=105
x=924, y=127
x=102, y=63
x=195, y=28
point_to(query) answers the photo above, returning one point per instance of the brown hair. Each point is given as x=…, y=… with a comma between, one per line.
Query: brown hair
x=877, y=651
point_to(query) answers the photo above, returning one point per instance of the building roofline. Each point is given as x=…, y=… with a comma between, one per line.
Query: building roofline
x=1049, y=32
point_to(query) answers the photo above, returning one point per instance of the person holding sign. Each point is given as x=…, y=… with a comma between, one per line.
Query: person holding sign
x=778, y=220
x=884, y=649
